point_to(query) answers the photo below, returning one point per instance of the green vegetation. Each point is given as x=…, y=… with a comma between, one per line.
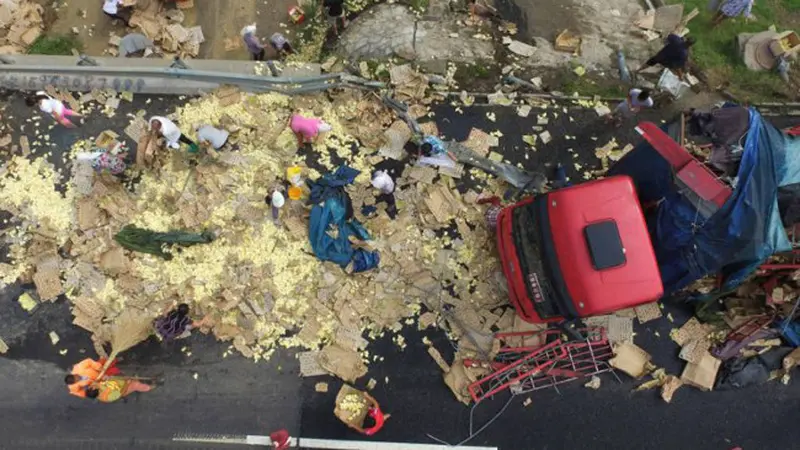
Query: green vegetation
x=586, y=86
x=715, y=51
x=55, y=45
x=419, y=6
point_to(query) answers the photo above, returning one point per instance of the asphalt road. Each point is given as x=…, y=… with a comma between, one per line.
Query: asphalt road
x=234, y=396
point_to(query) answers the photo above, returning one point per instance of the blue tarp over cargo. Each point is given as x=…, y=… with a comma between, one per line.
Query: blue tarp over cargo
x=329, y=226
x=742, y=233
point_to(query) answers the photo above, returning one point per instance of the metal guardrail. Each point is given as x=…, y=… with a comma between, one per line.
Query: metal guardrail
x=87, y=74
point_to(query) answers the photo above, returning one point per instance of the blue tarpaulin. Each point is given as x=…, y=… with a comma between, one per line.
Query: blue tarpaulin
x=330, y=227
x=741, y=234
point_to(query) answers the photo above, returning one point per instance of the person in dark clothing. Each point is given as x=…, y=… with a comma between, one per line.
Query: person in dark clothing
x=176, y=324
x=673, y=56
x=335, y=12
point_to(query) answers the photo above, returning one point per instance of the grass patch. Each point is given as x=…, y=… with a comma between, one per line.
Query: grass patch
x=715, y=50
x=55, y=45
x=570, y=83
x=419, y=6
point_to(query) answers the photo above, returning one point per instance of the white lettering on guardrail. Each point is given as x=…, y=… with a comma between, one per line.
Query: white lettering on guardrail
x=73, y=83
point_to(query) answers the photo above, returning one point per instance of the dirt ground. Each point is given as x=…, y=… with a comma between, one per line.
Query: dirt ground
x=221, y=21
x=604, y=25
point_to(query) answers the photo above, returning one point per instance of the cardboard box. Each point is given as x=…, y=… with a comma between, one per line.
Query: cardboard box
x=702, y=374
x=107, y=140
x=348, y=398
x=631, y=359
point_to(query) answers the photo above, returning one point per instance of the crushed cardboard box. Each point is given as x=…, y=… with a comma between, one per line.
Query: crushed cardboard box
x=351, y=406
x=647, y=312
x=702, y=374
x=631, y=359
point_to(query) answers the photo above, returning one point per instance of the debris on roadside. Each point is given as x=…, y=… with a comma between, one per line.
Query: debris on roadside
x=593, y=383
x=568, y=41
x=22, y=22
x=647, y=312
x=703, y=373
x=321, y=387
x=631, y=359
x=164, y=28
x=351, y=406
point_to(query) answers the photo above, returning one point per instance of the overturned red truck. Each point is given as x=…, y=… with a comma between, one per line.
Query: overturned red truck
x=586, y=250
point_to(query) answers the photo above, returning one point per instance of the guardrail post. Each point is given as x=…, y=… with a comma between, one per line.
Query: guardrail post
x=178, y=63
x=273, y=69
x=85, y=60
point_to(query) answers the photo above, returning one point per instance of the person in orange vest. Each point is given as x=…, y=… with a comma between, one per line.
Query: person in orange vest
x=85, y=373
x=113, y=389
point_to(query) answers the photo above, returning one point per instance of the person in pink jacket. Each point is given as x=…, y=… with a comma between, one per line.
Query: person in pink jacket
x=307, y=129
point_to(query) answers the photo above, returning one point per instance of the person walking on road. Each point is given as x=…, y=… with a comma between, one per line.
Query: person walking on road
x=253, y=43
x=733, y=8
x=54, y=107
x=673, y=56
x=171, y=133
x=335, y=12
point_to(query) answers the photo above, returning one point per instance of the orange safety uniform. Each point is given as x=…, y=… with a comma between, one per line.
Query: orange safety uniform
x=88, y=370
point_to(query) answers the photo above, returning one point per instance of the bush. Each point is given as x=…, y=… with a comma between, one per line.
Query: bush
x=55, y=45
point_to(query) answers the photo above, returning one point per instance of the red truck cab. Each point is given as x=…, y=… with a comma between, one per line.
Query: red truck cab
x=579, y=251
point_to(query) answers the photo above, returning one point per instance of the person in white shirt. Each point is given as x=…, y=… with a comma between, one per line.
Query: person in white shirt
x=54, y=107
x=276, y=200
x=115, y=10
x=171, y=133
x=383, y=182
x=637, y=100
x=215, y=137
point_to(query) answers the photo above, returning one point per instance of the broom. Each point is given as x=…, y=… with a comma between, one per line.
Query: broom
x=129, y=329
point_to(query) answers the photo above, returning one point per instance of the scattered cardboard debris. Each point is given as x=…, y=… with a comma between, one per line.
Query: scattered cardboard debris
x=3, y=347
x=345, y=364
x=671, y=384
x=693, y=351
x=691, y=330
x=309, y=365
x=438, y=358
x=521, y=48
x=667, y=18
x=321, y=387
x=27, y=302
x=631, y=359
x=702, y=374
x=568, y=41
x=647, y=312
x=351, y=406
x=593, y=383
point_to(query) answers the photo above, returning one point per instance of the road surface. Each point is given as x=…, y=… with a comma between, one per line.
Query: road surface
x=236, y=396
